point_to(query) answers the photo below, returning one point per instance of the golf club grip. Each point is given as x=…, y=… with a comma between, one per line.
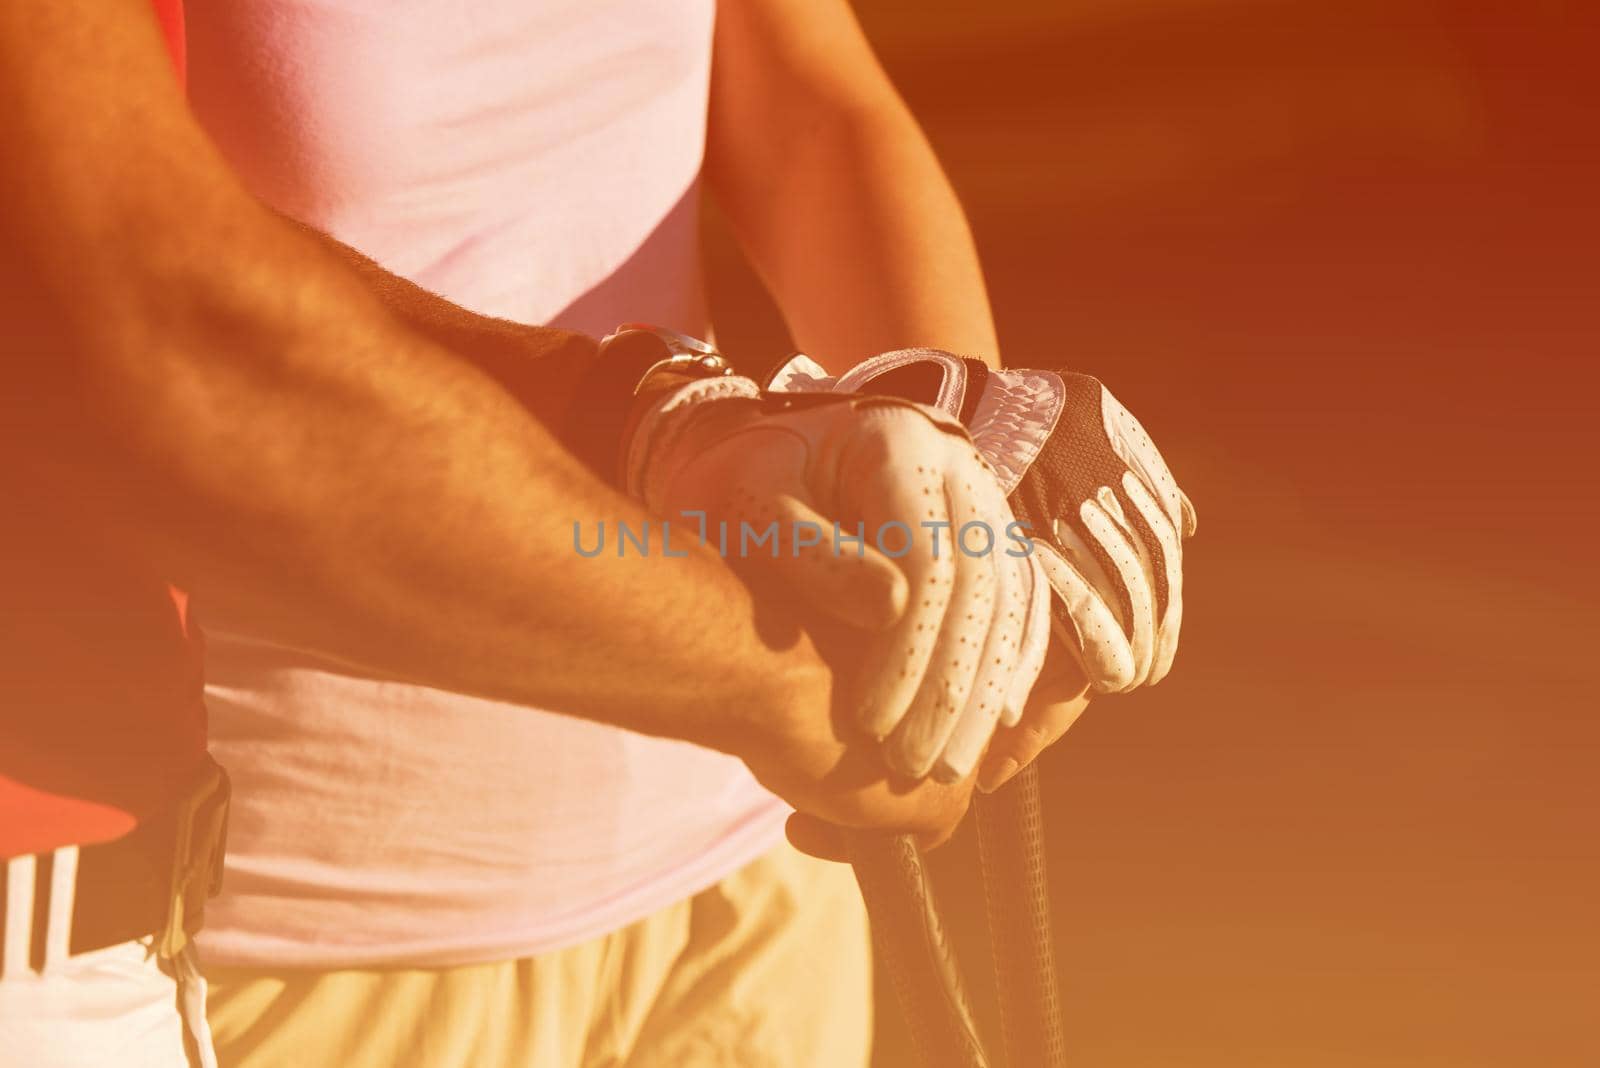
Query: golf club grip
x=912, y=947
x=1011, y=845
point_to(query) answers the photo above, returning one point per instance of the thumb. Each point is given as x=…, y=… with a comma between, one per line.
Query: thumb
x=844, y=580
x=817, y=838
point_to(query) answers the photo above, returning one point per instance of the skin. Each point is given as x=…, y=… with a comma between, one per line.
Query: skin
x=223, y=396
x=1059, y=697
x=833, y=191
x=838, y=200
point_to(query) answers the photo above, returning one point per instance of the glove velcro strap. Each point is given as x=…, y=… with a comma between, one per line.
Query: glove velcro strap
x=927, y=376
x=664, y=428
x=1010, y=414
x=934, y=377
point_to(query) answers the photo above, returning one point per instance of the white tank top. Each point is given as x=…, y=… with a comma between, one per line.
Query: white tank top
x=530, y=159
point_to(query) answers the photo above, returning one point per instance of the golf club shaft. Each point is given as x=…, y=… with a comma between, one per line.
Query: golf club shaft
x=915, y=950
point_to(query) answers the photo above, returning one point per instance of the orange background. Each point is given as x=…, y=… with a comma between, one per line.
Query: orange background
x=1341, y=259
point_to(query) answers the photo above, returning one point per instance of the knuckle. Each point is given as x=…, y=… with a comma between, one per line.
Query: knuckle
x=1034, y=734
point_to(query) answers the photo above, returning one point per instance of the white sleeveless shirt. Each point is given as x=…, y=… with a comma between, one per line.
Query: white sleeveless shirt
x=530, y=159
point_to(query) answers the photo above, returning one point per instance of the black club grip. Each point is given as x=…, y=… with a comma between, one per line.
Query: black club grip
x=914, y=949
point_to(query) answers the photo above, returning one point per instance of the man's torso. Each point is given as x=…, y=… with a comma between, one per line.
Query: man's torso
x=535, y=161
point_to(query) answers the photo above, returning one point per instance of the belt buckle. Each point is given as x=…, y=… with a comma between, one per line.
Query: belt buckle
x=201, y=833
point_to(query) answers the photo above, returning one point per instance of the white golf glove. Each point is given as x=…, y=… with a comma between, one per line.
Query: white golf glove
x=1107, y=518
x=936, y=537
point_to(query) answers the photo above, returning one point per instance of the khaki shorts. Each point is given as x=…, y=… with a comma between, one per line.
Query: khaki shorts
x=768, y=969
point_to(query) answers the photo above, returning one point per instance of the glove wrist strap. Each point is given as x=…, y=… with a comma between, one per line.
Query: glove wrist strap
x=634, y=365
x=1010, y=414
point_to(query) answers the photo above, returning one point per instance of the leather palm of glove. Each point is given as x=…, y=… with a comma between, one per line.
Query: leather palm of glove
x=955, y=637
x=1107, y=516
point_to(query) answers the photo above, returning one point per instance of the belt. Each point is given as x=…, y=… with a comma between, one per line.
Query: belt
x=154, y=880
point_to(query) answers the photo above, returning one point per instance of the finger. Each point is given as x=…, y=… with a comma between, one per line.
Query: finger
x=1016, y=747
x=1167, y=642
x=1133, y=444
x=817, y=838
x=1001, y=666
x=846, y=581
x=969, y=620
x=1154, y=529
x=1081, y=616
x=836, y=821
x=1132, y=570
x=1170, y=586
x=899, y=490
x=1035, y=641
x=1145, y=544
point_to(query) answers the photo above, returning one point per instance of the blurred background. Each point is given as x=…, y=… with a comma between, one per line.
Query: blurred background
x=1341, y=259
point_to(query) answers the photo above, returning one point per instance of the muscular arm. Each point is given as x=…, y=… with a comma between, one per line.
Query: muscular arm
x=833, y=190
x=200, y=379
x=516, y=355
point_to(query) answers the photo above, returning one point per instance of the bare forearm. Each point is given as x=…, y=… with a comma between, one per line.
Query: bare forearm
x=834, y=191
x=525, y=359
x=400, y=510
x=866, y=249
x=216, y=388
x=327, y=480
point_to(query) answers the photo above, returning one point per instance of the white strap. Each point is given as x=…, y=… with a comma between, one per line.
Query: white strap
x=63, y=893
x=192, y=1005
x=952, y=384
x=19, y=914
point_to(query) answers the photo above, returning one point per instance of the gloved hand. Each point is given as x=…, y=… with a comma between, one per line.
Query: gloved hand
x=956, y=609
x=1107, y=517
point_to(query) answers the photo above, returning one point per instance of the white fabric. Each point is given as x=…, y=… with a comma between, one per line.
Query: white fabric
x=965, y=651
x=532, y=159
x=19, y=915
x=379, y=822
x=58, y=918
x=1013, y=421
x=115, y=1006
x=800, y=374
